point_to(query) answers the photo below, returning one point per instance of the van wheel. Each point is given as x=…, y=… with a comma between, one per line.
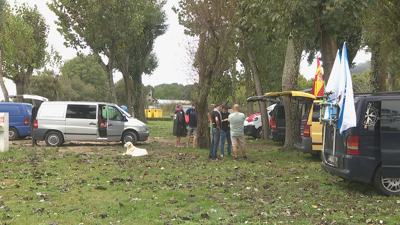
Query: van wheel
x=54, y=138
x=386, y=186
x=129, y=137
x=13, y=134
x=259, y=133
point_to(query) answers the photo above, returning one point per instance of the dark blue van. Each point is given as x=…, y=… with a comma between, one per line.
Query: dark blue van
x=19, y=117
x=369, y=152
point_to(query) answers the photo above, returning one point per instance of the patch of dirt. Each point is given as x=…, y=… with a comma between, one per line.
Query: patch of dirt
x=102, y=148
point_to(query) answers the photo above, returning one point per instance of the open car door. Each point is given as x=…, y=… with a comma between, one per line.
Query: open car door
x=263, y=99
x=297, y=95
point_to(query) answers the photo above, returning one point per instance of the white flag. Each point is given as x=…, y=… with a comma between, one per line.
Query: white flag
x=333, y=84
x=347, y=116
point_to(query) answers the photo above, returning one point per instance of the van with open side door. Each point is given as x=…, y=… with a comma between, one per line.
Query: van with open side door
x=370, y=152
x=58, y=121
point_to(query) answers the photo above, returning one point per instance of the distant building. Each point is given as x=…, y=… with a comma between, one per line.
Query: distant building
x=167, y=101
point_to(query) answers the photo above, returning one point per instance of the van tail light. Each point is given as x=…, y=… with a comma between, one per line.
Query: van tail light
x=353, y=146
x=272, y=122
x=26, y=122
x=306, y=131
x=35, y=124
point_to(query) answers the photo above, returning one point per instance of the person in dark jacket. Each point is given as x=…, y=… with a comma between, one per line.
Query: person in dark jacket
x=32, y=122
x=225, y=131
x=179, y=125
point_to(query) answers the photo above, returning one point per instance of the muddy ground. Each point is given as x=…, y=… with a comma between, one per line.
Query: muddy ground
x=156, y=145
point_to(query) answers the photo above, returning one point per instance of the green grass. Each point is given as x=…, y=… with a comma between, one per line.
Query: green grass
x=42, y=185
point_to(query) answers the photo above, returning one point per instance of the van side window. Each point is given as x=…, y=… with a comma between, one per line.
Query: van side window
x=315, y=115
x=81, y=111
x=372, y=120
x=390, y=117
x=115, y=114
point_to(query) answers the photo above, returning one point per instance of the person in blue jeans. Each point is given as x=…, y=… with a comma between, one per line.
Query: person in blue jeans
x=225, y=131
x=216, y=127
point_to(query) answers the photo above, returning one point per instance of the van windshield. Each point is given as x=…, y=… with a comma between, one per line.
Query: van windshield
x=123, y=111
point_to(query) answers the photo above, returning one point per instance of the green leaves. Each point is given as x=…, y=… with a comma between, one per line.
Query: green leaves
x=23, y=41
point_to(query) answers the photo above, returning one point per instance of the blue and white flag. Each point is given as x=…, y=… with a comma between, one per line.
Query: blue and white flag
x=347, y=116
x=333, y=85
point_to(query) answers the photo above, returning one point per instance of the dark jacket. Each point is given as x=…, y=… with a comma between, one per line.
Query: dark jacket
x=179, y=124
x=225, y=125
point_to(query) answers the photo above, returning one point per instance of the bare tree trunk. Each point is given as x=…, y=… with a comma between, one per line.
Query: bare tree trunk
x=138, y=106
x=328, y=52
x=391, y=82
x=249, y=85
x=108, y=70
x=378, y=69
x=201, y=104
x=257, y=82
x=234, y=82
x=289, y=83
x=30, y=91
x=20, y=89
x=2, y=85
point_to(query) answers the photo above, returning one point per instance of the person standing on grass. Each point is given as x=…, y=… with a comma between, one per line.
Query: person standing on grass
x=32, y=122
x=236, y=120
x=225, y=131
x=216, y=127
x=191, y=112
x=179, y=125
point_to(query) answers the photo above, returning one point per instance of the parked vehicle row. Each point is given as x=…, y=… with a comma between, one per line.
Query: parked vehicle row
x=367, y=153
x=58, y=121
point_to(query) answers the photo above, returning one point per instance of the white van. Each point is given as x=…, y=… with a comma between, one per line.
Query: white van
x=57, y=122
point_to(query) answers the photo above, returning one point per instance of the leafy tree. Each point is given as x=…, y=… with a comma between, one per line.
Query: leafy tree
x=171, y=92
x=101, y=26
x=24, y=44
x=209, y=20
x=361, y=82
x=90, y=72
x=382, y=35
x=46, y=84
x=360, y=67
x=304, y=84
x=134, y=55
x=74, y=89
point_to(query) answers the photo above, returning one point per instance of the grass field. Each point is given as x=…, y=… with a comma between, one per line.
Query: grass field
x=96, y=185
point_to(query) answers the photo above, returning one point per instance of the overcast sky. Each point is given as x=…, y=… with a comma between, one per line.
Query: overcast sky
x=171, y=49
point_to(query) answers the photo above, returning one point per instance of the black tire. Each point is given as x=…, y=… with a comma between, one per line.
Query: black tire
x=13, y=133
x=259, y=133
x=54, y=138
x=129, y=136
x=387, y=186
